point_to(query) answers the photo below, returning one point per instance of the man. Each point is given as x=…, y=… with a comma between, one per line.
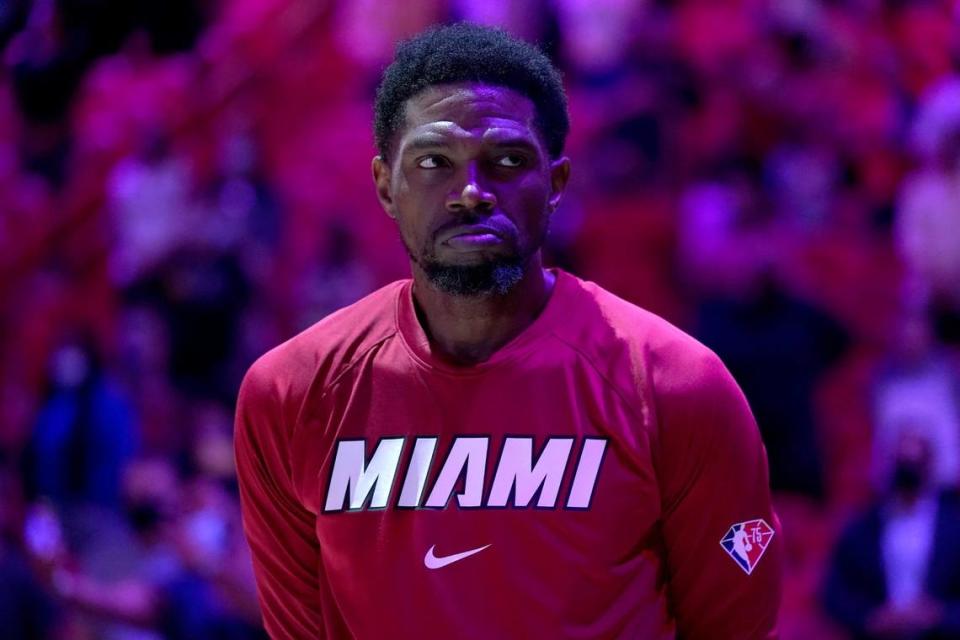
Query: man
x=493, y=449
x=896, y=570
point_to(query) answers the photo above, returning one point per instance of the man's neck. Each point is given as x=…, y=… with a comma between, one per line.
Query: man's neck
x=469, y=330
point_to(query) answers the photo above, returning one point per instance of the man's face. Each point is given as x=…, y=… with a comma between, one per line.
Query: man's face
x=471, y=186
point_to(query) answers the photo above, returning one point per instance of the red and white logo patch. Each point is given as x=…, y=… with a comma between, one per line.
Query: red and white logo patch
x=745, y=542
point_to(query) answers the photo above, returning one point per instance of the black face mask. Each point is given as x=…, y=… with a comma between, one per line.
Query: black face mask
x=143, y=517
x=907, y=477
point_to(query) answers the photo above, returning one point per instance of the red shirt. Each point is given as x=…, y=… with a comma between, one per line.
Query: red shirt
x=600, y=476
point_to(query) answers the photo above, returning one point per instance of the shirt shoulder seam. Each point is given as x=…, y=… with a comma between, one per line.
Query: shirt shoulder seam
x=638, y=413
x=342, y=372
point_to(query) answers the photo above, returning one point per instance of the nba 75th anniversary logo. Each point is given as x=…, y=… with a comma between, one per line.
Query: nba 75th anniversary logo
x=745, y=542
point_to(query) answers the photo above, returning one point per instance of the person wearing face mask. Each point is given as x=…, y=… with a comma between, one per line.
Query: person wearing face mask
x=926, y=217
x=179, y=576
x=85, y=431
x=895, y=572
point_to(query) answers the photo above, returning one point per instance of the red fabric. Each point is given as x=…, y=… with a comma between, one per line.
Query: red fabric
x=683, y=462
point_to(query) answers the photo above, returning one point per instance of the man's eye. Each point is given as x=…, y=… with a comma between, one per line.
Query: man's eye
x=432, y=162
x=510, y=160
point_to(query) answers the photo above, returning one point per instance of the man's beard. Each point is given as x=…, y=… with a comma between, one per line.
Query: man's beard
x=497, y=275
x=493, y=277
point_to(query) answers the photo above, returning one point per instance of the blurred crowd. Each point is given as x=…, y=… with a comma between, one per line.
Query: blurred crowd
x=185, y=184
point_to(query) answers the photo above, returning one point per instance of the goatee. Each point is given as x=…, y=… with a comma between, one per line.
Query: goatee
x=495, y=277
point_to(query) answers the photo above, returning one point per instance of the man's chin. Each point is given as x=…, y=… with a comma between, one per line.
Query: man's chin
x=493, y=277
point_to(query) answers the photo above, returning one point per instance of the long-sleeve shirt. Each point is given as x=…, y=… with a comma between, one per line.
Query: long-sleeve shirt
x=600, y=476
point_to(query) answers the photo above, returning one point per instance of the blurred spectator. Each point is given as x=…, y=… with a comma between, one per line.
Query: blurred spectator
x=532, y=20
x=627, y=236
x=211, y=450
x=367, y=30
x=335, y=280
x=896, y=572
x=174, y=580
x=46, y=63
x=85, y=432
x=927, y=215
x=722, y=234
x=149, y=202
x=59, y=42
x=27, y=612
x=918, y=386
x=802, y=177
x=240, y=210
x=777, y=347
x=597, y=36
x=13, y=15
x=201, y=292
x=215, y=595
x=172, y=27
x=143, y=344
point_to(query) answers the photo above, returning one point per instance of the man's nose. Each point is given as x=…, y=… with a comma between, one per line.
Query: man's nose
x=472, y=196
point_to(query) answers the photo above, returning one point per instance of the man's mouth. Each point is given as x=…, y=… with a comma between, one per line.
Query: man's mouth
x=474, y=241
x=473, y=236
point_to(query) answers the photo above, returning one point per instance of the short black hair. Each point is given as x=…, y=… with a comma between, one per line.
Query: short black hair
x=465, y=52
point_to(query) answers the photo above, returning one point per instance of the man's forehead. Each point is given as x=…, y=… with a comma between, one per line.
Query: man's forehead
x=447, y=109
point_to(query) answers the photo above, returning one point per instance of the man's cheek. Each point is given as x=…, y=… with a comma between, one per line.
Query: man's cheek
x=534, y=210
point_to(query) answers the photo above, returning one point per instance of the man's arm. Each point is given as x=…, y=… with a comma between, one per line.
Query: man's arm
x=280, y=531
x=714, y=480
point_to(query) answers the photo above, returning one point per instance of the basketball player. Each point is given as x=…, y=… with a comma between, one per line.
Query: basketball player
x=493, y=449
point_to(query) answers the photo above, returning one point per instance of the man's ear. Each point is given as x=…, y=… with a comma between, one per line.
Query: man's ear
x=559, y=176
x=381, y=178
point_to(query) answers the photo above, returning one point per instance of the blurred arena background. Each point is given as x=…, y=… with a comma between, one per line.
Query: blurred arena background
x=184, y=184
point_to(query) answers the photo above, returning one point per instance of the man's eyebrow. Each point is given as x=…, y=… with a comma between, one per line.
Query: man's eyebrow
x=512, y=141
x=425, y=143
x=433, y=141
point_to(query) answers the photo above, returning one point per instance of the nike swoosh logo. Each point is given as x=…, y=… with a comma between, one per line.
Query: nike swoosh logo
x=433, y=562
